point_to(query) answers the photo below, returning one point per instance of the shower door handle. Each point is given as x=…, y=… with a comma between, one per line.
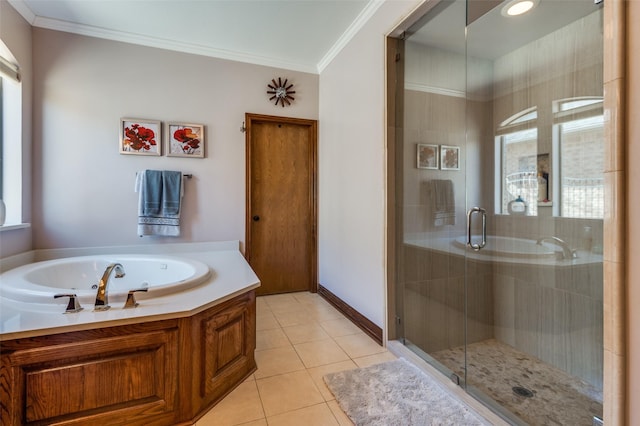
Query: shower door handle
x=470, y=213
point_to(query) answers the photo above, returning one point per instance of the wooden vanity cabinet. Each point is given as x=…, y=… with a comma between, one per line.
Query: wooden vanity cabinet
x=156, y=373
x=223, y=340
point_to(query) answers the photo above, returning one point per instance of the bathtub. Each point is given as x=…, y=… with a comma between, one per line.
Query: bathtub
x=502, y=249
x=182, y=279
x=511, y=247
x=160, y=275
x=199, y=295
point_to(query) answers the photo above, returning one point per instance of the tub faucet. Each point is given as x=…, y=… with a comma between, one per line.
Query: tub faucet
x=567, y=252
x=102, y=298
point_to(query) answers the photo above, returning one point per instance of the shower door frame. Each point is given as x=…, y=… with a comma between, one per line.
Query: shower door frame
x=615, y=398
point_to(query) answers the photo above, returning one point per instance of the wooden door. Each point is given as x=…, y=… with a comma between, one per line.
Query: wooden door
x=281, y=202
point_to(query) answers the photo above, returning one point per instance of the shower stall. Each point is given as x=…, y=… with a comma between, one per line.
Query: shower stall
x=499, y=203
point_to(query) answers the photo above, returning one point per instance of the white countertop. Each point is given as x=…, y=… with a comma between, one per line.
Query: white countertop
x=231, y=276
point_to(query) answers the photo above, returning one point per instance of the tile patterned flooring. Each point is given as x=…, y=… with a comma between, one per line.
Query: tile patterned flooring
x=495, y=368
x=300, y=338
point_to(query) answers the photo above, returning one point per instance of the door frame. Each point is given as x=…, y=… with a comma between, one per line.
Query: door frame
x=312, y=129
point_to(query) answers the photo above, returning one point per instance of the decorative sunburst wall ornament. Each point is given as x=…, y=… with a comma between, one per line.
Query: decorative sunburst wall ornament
x=281, y=92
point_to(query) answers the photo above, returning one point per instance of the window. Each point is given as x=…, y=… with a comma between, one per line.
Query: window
x=579, y=126
x=517, y=152
x=519, y=168
x=575, y=178
x=10, y=137
x=1, y=137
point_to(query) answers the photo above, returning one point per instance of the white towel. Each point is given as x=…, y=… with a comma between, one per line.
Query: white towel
x=164, y=224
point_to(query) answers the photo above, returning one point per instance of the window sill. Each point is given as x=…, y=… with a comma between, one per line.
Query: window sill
x=11, y=227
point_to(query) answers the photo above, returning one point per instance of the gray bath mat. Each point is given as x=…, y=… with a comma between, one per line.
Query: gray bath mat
x=397, y=393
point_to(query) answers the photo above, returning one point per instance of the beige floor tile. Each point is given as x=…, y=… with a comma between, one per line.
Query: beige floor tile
x=305, y=333
x=321, y=352
x=369, y=360
x=325, y=312
x=240, y=406
x=266, y=321
x=340, y=327
x=317, y=374
x=307, y=298
x=359, y=345
x=281, y=302
x=287, y=392
x=261, y=304
x=316, y=415
x=341, y=417
x=294, y=317
x=261, y=422
x=271, y=339
x=272, y=362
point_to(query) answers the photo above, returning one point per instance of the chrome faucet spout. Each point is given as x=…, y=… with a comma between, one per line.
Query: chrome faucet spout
x=102, y=297
x=567, y=252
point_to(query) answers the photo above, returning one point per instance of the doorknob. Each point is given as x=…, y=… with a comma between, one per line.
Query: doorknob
x=256, y=218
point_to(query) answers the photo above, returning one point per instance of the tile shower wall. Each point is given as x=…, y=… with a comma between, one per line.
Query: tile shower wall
x=554, y=314
x=434, y=298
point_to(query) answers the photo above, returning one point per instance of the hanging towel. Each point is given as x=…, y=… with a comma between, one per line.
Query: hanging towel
x=152, y=193
x=168, y=192
x=442, y=200
x=171, y=192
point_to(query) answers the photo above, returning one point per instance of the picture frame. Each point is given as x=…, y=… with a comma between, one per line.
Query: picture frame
x=140, y=136
x=185, y=140
x=449, y=157
x=427, y=156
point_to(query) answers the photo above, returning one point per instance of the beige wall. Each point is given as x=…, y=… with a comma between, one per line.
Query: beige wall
x=352, y=166
x=15, y=32
x=84, y=189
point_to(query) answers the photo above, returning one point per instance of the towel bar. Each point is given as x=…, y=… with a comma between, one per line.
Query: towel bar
x=187, y=175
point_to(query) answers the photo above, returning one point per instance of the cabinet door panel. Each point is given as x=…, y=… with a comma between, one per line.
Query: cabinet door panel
x=95, y=379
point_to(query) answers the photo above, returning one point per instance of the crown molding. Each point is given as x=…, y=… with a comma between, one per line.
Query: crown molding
x=419, y=87
x=22, y=8
x=350, y=32
x=196, y=49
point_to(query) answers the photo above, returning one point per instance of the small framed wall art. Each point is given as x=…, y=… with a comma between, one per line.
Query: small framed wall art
x=449, y=157
x=140, y=136
x=427, y=156
x=185, y=140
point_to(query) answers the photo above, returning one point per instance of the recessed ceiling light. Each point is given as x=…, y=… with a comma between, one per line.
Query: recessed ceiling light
x=518, y=7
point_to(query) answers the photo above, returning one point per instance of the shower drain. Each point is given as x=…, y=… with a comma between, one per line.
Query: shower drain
x=520, y=391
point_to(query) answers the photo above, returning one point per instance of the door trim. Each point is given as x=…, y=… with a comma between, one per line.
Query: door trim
x=312, y=128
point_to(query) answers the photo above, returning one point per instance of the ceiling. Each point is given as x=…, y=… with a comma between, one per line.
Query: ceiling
x=444, y=27
x=300, y=35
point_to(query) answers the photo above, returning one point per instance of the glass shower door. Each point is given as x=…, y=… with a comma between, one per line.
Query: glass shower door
x=505, y=114
x=431, y=184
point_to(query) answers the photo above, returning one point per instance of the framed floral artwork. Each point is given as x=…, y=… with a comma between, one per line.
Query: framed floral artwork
x=427, y=156
x=449, y=157
x=185, y=140
x=140, y=136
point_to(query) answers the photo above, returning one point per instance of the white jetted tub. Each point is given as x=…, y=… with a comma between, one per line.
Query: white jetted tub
x=516, y=248
x=160, y=274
